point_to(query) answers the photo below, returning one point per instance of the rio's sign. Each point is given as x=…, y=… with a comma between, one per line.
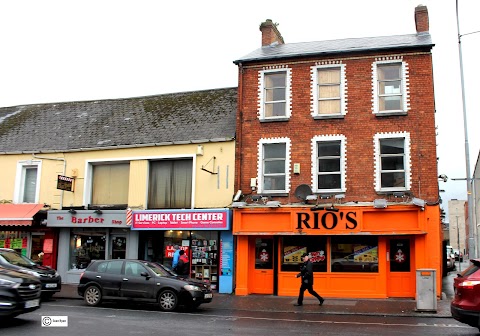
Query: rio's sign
x=328, y=220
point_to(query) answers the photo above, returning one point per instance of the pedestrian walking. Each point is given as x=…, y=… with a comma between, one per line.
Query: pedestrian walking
x=176, y=255
x=306, y=274
x=183, y=266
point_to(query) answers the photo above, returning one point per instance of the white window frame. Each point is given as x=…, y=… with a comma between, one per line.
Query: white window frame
x=404, y=87
x=378, y=166
x=261, y=94
x=343, y=161
x=260, y=180
x=22, y=166
x=314, y=89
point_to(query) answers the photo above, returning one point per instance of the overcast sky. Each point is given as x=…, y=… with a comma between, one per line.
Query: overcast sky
x=56, y=51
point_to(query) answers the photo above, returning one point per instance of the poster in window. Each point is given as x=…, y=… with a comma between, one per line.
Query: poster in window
x=48, y=245
x=293, y=254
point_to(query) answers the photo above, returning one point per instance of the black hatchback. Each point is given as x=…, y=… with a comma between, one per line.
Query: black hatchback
x=140, y=281
x=50, y=279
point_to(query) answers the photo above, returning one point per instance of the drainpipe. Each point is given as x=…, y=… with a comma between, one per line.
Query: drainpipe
x=64, y=170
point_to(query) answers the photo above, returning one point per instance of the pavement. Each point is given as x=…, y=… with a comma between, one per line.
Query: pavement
x=333, y=306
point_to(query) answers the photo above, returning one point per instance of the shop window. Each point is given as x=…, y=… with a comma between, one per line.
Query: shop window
x=354, y=254
x=110, y=184
x=170, y=184
x=85, y=247
x=294, y=247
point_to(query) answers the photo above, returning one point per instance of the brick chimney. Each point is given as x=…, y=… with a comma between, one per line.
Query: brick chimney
x=270, y=33
x=421, y=19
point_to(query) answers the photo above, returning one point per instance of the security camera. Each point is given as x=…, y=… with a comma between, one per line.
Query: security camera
x=443, y=177
x=237, y=196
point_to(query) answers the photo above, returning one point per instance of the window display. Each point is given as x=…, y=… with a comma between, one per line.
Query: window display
x=354, y=254
x=293, y=248
x=86, y=246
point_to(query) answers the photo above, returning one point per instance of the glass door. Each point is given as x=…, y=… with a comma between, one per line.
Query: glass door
x=119, y=247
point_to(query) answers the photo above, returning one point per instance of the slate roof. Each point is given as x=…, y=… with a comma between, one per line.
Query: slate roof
x=349, y=45
x=175, y=118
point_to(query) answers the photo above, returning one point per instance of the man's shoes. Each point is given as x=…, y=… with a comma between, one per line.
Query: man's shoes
x=298, y=304
x=321, y=302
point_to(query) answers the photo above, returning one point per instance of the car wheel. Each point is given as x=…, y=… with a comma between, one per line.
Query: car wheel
x=93, y=296
x=168, y=300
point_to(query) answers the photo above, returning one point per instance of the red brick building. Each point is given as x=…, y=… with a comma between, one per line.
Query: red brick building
x=336, y=157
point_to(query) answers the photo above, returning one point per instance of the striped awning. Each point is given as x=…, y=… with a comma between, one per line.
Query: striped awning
x=18, y=214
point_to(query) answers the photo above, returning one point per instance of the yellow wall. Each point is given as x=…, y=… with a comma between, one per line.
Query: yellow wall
x=210, y=190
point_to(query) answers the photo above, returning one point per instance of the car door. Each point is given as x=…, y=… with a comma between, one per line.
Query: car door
x=135, y=285
x=109, y=276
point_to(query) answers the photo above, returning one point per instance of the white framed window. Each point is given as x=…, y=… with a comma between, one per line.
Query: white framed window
x=170, y=184
x=392, y=161
x=274, y=94
x=390, y=87
x=27, y=181
x=110, y=183
x=274, y=165
x=328, y=91
x=328, y=163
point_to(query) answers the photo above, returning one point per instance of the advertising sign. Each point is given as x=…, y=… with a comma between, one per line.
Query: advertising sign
x=65, y=183
x=208, y=219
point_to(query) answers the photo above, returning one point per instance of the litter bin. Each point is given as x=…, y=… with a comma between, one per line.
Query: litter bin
x=426, y=290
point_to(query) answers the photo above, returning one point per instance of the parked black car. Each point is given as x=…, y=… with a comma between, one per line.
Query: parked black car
x=19, y=293
x=141, y=281
x=50, y=279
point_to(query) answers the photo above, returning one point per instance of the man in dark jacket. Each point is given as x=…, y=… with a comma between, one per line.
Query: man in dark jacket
x=306, y=274
x=183, y=266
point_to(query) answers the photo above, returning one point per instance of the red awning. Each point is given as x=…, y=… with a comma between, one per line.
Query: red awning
x=18, y=214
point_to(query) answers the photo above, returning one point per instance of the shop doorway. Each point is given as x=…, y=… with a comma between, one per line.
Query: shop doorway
x=262, y=260
x=400, y=268
x=118, y=247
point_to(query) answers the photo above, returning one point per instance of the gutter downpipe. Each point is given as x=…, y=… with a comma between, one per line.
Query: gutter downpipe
x=64, y=170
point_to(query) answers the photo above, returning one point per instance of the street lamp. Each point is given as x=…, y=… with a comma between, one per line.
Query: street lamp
x=471, y=239
x=458, y=246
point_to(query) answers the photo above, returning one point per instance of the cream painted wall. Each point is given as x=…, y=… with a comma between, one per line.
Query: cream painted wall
x=210, y=190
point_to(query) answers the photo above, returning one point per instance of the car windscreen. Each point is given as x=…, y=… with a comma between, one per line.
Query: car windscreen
x=16, y=259
x=157, y=269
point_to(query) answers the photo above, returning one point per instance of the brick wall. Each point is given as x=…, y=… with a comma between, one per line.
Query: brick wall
x=359, y=126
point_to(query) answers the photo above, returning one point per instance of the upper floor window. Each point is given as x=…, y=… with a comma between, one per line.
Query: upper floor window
x=27, y=184
x=170, y=184
x=275, y=94
x=328, y=160
x=328, y=90
x=110, y=184
x=273, y=167
x=390, y=87
x=393, y=162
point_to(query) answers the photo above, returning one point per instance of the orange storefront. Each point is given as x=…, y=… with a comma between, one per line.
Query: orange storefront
x=357, y=251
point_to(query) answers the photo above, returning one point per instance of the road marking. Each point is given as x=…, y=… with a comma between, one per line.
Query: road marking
x=232, y=317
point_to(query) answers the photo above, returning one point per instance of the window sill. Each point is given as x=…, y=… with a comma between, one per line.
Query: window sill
x=390, y=113
x=329, y=116
x=265, y=120
x=273, y=194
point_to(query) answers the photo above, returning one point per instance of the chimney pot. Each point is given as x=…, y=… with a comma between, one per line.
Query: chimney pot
x=421, y=19
x=270, y=33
